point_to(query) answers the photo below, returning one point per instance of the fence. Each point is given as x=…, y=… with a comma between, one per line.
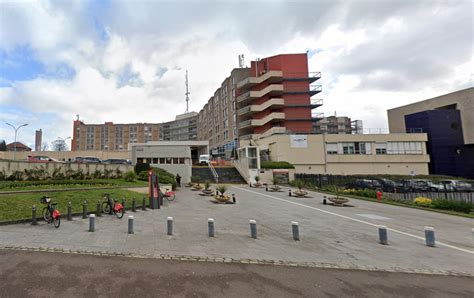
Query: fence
x=455, y=196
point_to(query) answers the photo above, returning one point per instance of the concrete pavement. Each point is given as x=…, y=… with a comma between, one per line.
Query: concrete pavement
x=335, y=237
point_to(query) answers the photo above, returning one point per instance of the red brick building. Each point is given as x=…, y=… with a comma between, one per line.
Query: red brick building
x=276, y=98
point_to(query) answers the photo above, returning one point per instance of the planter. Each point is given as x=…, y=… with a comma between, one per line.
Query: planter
x=338, y=201
x=257, y=185
x=300, y=193
x=274, y=188
x=207, y=192
x=197, y=187
x=189, y=184
x=222, y=198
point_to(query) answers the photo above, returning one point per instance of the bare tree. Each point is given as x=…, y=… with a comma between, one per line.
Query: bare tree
x=44, y=146
x=59, y=145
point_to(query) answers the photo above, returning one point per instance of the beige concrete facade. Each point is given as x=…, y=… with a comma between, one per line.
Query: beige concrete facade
x=463, y=100
x=313, y=156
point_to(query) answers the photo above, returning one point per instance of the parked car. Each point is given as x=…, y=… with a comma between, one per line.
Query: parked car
x=204, y=159
x=416, y=185
x=458, y=185
x=41, y=158
x=364, y=183
x=115, y=161
x=87, y=159
x=390, y=185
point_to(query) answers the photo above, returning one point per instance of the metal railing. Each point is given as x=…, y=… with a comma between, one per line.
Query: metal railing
x=213, y=171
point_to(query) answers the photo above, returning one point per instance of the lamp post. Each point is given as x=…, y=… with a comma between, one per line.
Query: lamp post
x=16, y=131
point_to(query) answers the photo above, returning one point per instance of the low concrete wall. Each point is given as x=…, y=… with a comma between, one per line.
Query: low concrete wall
x=9, y=166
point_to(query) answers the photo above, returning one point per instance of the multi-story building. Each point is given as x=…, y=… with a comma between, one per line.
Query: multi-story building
x=449, y=122
x=183, y=128
x=333, y=125
x=276, y=97
x=38, y=139
x=110, y=136
x=217, y=121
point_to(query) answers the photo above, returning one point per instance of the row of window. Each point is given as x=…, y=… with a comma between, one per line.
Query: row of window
x=380, y=148
x=162, y=160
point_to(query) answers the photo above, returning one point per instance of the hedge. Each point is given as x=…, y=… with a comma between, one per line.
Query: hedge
x=276, y=165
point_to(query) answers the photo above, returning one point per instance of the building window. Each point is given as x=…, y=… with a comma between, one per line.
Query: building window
x=162, y=161
x=356, y=148
x=380, y=148
x=348, y=148
x=155, y=160
x=104, y=138
x=90, y=138
x=175, y=161
x=133, y=134
x=331, y=148
x=119, y=137
x=404, y=148
x=168, y=160
x=148, y=134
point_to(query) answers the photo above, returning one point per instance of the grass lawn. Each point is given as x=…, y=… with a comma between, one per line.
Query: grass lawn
x=33, y=185
x=18, y=206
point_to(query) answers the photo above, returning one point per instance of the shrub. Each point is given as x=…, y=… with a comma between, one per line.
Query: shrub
x=130, y=176
x=222, y=189
x=257, y=178
x=140, y=167
x=16, y=176
x=298, y=183
x=423, y=202
x=165, y=177
x=207, y=184
x=458, y=206
x=276, y=165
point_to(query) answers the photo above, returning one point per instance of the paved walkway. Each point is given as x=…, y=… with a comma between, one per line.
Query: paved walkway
x=67, y=275
x=335, y=237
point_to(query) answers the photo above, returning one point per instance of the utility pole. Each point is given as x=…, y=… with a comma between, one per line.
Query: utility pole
x=16, y=131
x=187, y=92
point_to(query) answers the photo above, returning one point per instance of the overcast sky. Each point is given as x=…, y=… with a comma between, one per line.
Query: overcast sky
x=125, y=61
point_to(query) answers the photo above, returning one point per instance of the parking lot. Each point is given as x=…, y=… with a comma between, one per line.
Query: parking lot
x=337, y=237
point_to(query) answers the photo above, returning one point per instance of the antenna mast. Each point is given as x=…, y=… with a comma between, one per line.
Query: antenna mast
x=187, y=92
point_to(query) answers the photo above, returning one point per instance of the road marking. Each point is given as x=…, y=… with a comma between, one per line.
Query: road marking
x=374, y=216
x=356, y=220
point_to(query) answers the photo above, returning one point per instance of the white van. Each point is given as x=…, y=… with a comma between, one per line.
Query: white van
x=204, y=159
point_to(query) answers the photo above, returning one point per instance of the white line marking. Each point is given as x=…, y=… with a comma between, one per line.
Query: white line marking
x=356, y=220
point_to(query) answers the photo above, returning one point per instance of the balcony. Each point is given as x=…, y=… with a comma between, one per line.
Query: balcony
x=273, y=89
x=269, y=132
x=273, y=76
x=272, y=103
x=303, y=76
x=272, y=117
x=312, y=90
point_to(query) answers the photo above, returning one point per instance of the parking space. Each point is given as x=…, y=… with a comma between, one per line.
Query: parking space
x=343, y=237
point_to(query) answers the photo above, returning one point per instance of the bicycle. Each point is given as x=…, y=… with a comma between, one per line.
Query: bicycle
x=169, y=195
x=110, y=206
x=50, y=213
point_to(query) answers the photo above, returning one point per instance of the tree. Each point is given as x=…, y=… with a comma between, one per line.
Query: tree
x=59, y=145
x=3, y=146
x=44, y=146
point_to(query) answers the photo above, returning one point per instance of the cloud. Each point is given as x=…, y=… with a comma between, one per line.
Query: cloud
x=124, y=61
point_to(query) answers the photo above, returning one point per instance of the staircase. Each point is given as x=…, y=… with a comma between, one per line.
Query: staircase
x=225, y=174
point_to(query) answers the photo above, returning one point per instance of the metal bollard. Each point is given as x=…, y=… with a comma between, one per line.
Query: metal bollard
x=253, y=228
x=144, y=204
x=98, y=211
x=233, y=199
x=250, y=184
x=169, y=225
x=84, y=209
x=383, y=235
x=92, y=223
x=266, y=187
x=130, y=224
x=34, y=221
x=295, y=227
x=430, y=236
x=134, y=206
x=69, y=211
x=210, y=226
x=217, y=193
x=289, y=192
x=324, y=200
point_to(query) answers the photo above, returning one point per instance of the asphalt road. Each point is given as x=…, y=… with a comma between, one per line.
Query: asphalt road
x=42, y=274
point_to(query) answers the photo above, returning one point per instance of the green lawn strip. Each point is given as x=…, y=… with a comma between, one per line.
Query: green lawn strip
x=14, y=186
x=18, y=207
x=391, y=202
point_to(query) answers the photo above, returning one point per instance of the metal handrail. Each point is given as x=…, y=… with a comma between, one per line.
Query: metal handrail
x=213, y=171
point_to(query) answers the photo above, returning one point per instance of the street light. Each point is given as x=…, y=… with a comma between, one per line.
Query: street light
x=16, y=131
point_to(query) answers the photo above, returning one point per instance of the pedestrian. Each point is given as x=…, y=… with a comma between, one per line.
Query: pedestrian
x=178, y=180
